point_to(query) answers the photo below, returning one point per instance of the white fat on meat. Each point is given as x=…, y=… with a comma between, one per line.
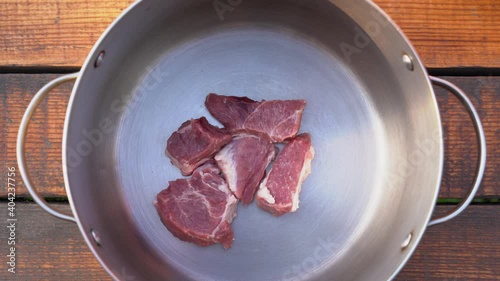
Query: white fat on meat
x=306, y=171
x=280, y=190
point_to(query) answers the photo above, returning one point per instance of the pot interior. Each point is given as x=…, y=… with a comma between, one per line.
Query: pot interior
x=374, y=123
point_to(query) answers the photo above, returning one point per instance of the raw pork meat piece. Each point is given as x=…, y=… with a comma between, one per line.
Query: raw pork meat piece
x=199, y=209
x=278, y=120
x=231, y=111
x=279, y=191
x=243, y=163
x=194, y=143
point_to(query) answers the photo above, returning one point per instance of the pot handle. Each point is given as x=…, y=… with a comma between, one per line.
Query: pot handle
x=482, y=148
x=23, y=129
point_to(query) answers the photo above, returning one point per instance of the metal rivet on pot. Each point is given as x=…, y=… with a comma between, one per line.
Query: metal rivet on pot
x=408, y=62
x=96, y=237
x=407, y=241
x=99, y=59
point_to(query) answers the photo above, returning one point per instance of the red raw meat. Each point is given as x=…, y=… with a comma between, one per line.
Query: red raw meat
x=232, y=112
x=243, y=163
x=279, y=191
x=278, y=120
x=194, y=143
x=200, y=209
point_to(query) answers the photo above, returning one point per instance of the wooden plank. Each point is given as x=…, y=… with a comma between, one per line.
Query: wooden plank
x=460, y=139
x=43, y=150
x=45, y=133
x=48, y=248
x=454, y=33
x=467, y=248
x=53, y=32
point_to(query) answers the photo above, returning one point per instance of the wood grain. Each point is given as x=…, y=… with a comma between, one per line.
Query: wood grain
x=456, y=33
x=53, y=32
x=468, y=248
x=48, y=248
x=461, y=151
x=45, y=134
x=43, y=150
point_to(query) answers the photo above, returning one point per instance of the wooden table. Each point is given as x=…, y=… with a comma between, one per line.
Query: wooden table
x=42, y=39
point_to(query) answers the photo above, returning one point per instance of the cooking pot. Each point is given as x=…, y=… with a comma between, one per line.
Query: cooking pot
x=371, y=112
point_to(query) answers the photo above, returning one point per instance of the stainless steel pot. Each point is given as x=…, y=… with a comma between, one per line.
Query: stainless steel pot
x=371, y=111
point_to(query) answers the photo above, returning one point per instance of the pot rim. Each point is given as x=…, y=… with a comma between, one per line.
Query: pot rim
x=89, y=63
